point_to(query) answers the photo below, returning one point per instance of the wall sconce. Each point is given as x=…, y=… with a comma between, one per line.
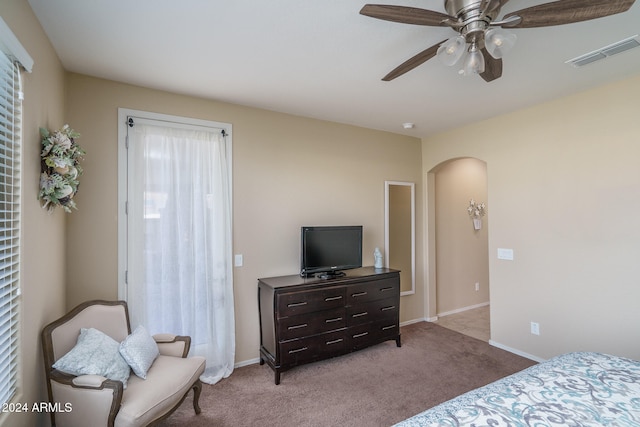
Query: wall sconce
x=476, y=212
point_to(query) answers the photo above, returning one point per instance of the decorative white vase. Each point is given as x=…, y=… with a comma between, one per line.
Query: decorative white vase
x=377, y=256
x=477, y=223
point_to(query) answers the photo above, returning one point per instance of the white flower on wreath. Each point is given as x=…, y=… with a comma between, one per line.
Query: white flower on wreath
x=62, y=140
x=476, y=210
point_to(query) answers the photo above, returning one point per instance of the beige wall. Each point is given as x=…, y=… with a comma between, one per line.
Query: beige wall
x=42, y=277
x=461, y=251
x=288, y=171
x=564, y=193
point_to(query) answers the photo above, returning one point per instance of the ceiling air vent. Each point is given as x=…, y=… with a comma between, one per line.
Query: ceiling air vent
x=605, y=52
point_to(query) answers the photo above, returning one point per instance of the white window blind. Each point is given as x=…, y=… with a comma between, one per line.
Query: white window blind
x=10, y=116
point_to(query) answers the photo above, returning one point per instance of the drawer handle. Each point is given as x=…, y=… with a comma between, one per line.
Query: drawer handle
x=390, y=288
x=297, y=350
x=334, y=341
x=304, y=325
x=364, y=313
x=385, y=328
x=388, y=308
x=337, y=319
x=333, y=298
x=359, y=294
x=297, y=304
x=361, y=335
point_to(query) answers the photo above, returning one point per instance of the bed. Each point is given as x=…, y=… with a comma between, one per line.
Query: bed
x=575, y=389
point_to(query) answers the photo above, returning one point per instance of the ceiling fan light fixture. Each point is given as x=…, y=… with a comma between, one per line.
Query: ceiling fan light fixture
x=452, y=50
x=475, y=22
x=474, y=62
x=499, y=42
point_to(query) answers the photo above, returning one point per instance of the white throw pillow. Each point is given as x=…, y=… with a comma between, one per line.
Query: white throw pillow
x=95, y=353
x=139, y=350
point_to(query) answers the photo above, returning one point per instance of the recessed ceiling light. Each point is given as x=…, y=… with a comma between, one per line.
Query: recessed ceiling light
x=408, y=125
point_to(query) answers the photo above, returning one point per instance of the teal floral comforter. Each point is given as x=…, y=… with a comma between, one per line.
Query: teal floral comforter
x=575, y=390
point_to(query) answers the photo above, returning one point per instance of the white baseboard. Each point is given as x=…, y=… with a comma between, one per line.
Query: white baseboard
x=460, y=310
x=411, y=322
x=246, y=362
x=517, y=352
x=491, y=342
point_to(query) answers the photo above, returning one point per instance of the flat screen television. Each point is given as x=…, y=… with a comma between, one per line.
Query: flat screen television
x=328, y=250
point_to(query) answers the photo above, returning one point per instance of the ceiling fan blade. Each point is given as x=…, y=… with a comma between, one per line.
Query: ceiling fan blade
x=413, y=62
x=406, y=15
x=492, y=67
x=567, y=12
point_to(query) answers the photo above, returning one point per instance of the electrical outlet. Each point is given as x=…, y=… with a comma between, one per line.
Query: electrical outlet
x=477, y=286
x=535, y=328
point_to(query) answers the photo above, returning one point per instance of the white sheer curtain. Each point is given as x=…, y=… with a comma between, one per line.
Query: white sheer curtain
x=179, y=239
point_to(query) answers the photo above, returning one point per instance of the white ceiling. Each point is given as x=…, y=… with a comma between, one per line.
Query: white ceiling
x=322, y=59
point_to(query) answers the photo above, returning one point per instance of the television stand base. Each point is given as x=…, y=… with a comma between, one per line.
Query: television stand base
x=330, y=275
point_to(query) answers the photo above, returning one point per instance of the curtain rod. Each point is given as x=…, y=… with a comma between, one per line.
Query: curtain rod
x=131, y=123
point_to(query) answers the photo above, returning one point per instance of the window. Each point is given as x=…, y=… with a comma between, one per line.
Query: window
x=12, y=55
x=10, y=115
x=178, y=268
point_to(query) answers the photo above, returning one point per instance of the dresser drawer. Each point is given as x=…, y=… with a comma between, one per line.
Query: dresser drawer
x=371, y=311
x=306, y=325
x=372, y=290
x=293, y=303
x=312, y=348
x=361, y=336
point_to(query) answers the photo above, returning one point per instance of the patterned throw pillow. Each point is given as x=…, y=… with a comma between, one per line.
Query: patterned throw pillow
x=139, y=350
x=95, y=353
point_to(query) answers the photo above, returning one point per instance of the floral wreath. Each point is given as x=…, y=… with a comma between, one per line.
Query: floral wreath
x=476, y=210
x=60, y=168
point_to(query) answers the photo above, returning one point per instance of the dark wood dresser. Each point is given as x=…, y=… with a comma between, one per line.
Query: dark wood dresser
x=303, y=320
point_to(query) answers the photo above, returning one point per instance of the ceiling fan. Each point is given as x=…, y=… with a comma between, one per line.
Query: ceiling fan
x=480, y=34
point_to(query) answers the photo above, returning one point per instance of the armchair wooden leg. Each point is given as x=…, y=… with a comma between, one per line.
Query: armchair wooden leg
x=197, y=389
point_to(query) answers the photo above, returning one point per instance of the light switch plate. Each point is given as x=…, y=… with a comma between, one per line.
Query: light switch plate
x=505, y=254
x=238, y=260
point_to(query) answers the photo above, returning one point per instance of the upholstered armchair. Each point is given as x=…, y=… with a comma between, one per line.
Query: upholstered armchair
x=131, y=399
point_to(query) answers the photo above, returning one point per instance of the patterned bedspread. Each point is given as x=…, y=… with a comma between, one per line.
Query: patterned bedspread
x=575, y=389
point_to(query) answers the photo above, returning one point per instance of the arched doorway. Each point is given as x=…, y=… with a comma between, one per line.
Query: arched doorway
x=459, y=281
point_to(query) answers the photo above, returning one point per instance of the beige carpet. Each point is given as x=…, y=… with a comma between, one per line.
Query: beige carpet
x=378, y=386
